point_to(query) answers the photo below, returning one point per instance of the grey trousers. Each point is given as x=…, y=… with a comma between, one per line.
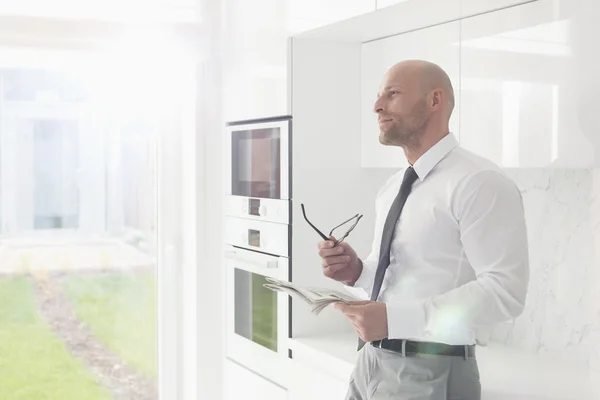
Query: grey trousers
x=381, y=374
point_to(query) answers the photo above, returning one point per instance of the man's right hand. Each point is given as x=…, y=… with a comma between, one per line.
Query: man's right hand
x=340, y=263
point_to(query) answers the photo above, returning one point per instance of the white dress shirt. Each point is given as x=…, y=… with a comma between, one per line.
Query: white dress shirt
x=459, y=261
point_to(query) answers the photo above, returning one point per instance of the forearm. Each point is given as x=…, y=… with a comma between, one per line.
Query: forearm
x=483, y=302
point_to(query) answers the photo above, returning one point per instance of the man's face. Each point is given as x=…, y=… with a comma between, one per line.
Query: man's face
x=402, y=109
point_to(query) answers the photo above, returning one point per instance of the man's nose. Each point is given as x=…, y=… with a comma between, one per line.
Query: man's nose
x=378, y=106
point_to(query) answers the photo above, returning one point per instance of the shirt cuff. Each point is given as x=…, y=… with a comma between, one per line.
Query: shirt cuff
x=406, y=319
x=365, y=280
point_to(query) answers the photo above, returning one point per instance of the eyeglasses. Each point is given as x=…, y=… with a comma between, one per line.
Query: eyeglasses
x=356, y=218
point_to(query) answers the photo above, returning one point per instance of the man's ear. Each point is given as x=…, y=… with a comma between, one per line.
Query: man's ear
x=436, y=98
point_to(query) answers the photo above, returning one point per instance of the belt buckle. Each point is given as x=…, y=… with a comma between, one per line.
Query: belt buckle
x=380, y=344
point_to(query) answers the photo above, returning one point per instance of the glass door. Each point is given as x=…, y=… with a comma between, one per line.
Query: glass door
x=84, y=278
x=256, y=163
x=255, y=309
x=257, y=318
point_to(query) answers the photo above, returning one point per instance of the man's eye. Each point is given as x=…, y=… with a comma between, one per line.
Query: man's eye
x=394, y=92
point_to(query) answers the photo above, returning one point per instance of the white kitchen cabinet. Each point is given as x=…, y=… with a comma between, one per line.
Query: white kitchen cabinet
x=254, y=59
x=473, y=7
x=241, y=383
x=529, y=79
x=438, y=44
x=255, y=53
x=303, y=15
x=386, y=3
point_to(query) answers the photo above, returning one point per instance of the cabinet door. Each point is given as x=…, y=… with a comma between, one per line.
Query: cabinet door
x=529, y=80
x=303, y=15
x=386, y=3
x=469, y=7
x=254, y=58
x=473, y=7
x=240, y=383
x=439, y=44
x=255, y=52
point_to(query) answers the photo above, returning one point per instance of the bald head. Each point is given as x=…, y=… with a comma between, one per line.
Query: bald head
x=415, y=101
x=428, y=76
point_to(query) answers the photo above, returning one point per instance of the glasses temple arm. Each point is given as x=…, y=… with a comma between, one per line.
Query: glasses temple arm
x=312, y=226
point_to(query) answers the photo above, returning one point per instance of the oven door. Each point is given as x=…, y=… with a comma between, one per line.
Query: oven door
x=258, y=158
x=265, y=237
x=257, y=318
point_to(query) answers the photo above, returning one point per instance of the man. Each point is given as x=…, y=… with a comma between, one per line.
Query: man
x=449, y=258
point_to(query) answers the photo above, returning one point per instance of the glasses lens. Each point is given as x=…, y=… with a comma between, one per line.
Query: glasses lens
x=356, y=219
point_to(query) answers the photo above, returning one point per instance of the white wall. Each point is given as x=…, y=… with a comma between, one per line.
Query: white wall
x=562, y=313
x=327, y=176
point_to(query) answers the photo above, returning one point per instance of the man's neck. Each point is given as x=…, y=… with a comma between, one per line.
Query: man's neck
x=427, y=142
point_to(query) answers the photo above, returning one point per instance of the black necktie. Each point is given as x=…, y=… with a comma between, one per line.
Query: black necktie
x=410, y=176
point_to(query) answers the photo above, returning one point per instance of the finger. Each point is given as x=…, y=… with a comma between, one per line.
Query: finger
x=353, y=322
x=356, y=328
x=341, y=307
x=329, y=273
x=333, y=271
x=336, y=251
x=361, y=302
x=328, y=261
x=326, y=244
x=349, y=312
x=352, y=311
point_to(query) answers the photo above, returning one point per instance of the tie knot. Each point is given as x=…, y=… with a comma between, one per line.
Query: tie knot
x=410, y=176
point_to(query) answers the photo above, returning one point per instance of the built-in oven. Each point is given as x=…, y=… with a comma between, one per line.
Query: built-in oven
x=257, y=237
x=258, y=169
x=257, y=319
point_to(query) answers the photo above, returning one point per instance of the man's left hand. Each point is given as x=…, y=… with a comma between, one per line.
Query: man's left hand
x=369, y=319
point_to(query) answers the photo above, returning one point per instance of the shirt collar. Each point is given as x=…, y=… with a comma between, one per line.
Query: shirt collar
x=425, y=164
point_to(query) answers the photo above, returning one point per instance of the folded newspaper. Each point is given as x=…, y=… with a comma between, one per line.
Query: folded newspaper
x=318, y=299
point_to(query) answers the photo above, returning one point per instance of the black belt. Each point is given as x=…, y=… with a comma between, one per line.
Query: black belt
x=410, y=348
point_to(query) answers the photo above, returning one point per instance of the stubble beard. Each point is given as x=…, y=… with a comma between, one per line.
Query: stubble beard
x=407, y=134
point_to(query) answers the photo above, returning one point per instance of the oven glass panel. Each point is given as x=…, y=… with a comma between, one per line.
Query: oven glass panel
x=255, y=163
x=253, y=238
x=255, y=309
x=254, y=207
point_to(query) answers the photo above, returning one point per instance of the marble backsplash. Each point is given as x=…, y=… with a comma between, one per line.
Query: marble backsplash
x=562, y=313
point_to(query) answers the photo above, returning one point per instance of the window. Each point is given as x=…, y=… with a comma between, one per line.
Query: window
x=79, y=206
x=55, y=159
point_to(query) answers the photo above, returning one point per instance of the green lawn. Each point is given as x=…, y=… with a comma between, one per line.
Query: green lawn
x=34, y=364
x=121, y=311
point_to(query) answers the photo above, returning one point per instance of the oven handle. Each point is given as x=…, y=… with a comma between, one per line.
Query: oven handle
x=267, y=266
